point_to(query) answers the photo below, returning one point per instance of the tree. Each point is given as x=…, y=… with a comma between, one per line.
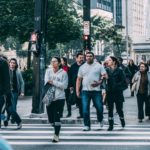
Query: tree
x=17, y=20
x=104, y=30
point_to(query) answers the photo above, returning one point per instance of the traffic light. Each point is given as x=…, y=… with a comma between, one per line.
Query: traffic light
x=35, y=43
x=85, y=37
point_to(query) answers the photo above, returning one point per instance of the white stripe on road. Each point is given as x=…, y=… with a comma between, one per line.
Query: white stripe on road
x=81, y=143
x=77, y=137
x=93, y=128
x=77, y=132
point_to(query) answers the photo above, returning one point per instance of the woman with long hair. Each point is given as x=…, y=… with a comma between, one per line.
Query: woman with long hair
x=142, y=90
x=57, y=77
x=114, y=91
x=66, y=68
x=133, y=69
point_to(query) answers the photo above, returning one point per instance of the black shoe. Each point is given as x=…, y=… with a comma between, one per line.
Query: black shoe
x=5, y=123
x=140, y=120
x=122, y=123
x=110, y=128
x=69, y=115
x=12, y=121
x=79, y=117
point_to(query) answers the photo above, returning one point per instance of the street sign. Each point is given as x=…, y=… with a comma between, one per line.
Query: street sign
x=86, y=28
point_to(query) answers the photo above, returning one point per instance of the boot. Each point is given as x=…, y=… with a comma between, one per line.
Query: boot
x=122, y=122
x=111, y=125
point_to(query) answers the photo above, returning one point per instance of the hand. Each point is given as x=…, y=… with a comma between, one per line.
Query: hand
x=50, y=82
x=22, y=94
x=71, y=89
x=78, y=94
x=95, y=84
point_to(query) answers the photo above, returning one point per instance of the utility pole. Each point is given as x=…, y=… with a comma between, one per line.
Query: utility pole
x=39, y=58
x=86, y=25
x=127, y=42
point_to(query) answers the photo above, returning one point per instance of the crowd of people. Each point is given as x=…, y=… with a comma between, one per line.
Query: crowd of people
x=84, y=81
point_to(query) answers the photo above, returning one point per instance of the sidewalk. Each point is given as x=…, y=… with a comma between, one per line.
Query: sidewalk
x=130, y=110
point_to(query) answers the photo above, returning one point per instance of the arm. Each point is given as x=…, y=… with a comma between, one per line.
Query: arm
x=21, y=83
x=63, y=84
x=78, y=85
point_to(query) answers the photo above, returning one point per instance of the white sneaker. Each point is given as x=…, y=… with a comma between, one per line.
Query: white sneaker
x=101, y=123
x=19, y=126
x=55, y=139
x=86, y=128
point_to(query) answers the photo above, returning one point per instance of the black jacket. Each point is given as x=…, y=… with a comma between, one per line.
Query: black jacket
x=73, y=73
x=4, y=77
x=116, y=80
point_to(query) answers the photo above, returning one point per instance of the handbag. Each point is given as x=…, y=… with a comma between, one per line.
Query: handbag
x=133, y=86
x=72, y=98
x=49, y=94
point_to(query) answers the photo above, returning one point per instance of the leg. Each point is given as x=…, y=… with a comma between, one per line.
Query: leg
x=14, y=100
x=1, y=106
x=140, y=103
x=97, y=101
x=119, y=108
x=86, y=107
x=50, y=113
x=58, y=105
x=67, y=92
x=147, y=105
x=110, y=101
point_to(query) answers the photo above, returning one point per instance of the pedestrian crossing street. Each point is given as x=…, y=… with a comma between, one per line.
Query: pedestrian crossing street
x=41, y=134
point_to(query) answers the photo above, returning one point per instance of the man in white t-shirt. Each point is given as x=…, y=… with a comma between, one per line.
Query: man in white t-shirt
x=90, y=74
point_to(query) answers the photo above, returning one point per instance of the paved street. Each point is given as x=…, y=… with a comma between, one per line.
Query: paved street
x=37, y=133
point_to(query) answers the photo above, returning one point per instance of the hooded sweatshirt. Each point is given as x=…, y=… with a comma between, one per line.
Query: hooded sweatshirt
x=60, y=81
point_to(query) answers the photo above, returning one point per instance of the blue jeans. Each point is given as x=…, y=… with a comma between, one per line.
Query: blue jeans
x=14, y=100
x=97, y=101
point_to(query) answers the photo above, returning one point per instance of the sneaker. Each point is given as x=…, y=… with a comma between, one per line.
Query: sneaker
x=86, y=128
x=55, y=139
x=79, y=117
x=19, y=126
x=5, y=123
x=68, y=115
x=101, y=124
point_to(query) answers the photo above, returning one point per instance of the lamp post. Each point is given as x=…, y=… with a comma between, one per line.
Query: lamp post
x=127, y=42
x=39, y=58
x=86, y=25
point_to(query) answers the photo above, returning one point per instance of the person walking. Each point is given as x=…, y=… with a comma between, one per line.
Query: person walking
x=4, y=82
x=90, y=74
x=17, y=82
x=5, y=94
x=57, y=77
x=133, y=69
x=142, y=89
x=66, y=68
x=115, y=85
x=72, y=80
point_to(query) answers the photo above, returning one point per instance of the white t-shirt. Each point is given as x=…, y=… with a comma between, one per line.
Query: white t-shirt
x=90, y=73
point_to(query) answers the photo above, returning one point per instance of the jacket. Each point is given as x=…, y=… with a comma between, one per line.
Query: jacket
x=60, y=81
x=137, y=78
x=116, y=80
x=20, y=81
x=4, y=77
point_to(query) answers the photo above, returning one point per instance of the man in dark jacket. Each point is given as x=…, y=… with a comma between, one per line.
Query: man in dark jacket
x=73, y=77
x=4, y=82
x=5, y=92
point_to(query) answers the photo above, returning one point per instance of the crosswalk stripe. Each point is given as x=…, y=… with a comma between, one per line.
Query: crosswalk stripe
x=81, y=143
x=41, y=134
x=77, y=137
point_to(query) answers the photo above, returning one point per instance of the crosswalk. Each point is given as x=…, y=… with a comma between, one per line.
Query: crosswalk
x=41, y=134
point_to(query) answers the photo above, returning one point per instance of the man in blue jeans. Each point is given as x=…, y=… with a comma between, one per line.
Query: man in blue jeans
x=90, y=74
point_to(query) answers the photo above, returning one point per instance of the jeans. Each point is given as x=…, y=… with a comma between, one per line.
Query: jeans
x=97, y=101
x=141, y=99
x=1, y=106
x=14, y=100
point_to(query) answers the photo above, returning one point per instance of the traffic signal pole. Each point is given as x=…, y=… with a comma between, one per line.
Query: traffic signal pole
x=39, y=56
x=86, y=25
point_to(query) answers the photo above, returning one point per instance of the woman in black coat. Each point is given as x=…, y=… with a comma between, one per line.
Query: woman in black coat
x=116, y=83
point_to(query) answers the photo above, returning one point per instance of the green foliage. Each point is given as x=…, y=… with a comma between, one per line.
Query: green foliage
x=104, y=30
x=17, y=20
x=27, y=76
